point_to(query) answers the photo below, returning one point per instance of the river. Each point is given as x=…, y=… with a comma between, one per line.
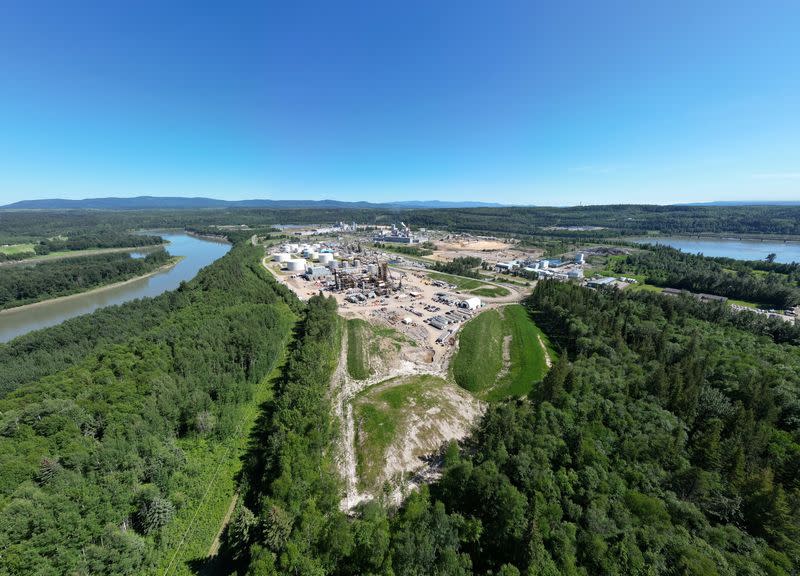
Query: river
x=196, y=252
x=732, y=247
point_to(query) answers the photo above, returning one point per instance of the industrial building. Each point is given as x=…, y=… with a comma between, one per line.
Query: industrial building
x=399, y=234
x=600, y=282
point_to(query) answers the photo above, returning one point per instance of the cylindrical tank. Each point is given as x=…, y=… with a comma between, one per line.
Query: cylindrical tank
x=281, y=257
x=298, y=265
x=372, y=269
x=356, y=263
x=314, y=256
x=325, y=258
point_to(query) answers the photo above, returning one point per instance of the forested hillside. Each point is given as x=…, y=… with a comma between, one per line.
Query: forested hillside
x=660, y=442
x=102, y=461
x=766, y=283
x=21, y=285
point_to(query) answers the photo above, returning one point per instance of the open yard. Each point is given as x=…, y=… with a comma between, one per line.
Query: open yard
x=501, y=353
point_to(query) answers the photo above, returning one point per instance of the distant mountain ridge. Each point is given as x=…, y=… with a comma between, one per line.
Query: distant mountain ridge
x=745, y=203
x=179, y=203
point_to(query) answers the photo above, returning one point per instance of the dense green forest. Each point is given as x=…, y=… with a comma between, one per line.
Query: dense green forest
x=290, y=514
x=25, y=284
x=776, y=286
x=660, y=442
x=545, y=222
x=95, y=458
x=99, y=239
x=461, y=266
x=31, y=356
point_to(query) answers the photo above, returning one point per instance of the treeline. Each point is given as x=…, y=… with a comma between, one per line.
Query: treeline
x=666, y=266
x=100, y=239
x=290, y=520
x=96, y=458
x=612, y=221
x=461, y=266
x=424, y=249
x=790, y=269
x=26, y=284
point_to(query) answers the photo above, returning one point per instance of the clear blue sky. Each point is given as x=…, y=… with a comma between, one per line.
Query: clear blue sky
x=516, y=102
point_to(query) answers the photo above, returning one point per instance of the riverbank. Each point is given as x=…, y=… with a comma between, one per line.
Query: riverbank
x=33, y=305
x=714, y=236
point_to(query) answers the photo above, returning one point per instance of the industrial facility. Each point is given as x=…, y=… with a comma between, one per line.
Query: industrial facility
x=399, y=234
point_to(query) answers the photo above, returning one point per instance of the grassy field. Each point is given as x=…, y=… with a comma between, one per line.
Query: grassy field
x=17, y=249
x=357, y=353
x=381, y=415
x=641, y=287
x=472, y=285
x=479, y=365
x=480, y=352
x=744, y=303
x=368, y=343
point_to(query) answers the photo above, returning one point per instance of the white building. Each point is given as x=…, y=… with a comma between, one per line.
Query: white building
x=471, y=303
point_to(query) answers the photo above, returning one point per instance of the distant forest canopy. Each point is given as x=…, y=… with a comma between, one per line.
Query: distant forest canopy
x=767, y=283
x=621, y=220
x=24, y=284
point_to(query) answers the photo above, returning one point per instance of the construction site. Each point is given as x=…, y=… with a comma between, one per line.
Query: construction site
x=402, y=326
x=378, y=286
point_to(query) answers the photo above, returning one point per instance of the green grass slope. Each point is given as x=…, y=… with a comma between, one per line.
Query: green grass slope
x=479, y=365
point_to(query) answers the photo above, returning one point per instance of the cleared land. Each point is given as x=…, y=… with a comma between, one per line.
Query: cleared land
x=402, y=420
x=501, y=353
x=369, y=344
x=17, y=249
x=473, y=285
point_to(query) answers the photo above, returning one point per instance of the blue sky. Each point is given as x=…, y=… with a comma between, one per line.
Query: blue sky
x=518, y=102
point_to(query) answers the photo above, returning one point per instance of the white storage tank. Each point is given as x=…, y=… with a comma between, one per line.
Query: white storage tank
x=298, y=265
x=372, y=269
x=325, y=257
x=281, y=257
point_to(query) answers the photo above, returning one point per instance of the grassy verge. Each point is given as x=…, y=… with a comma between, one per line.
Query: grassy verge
x=210, y=481
x=17, y=249
x=357, y=354
x=641, y=287
x=744, y=303
x=479, y=364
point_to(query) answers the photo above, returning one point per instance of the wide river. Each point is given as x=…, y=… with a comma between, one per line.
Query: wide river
x=732, y=248
x=196, y=252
